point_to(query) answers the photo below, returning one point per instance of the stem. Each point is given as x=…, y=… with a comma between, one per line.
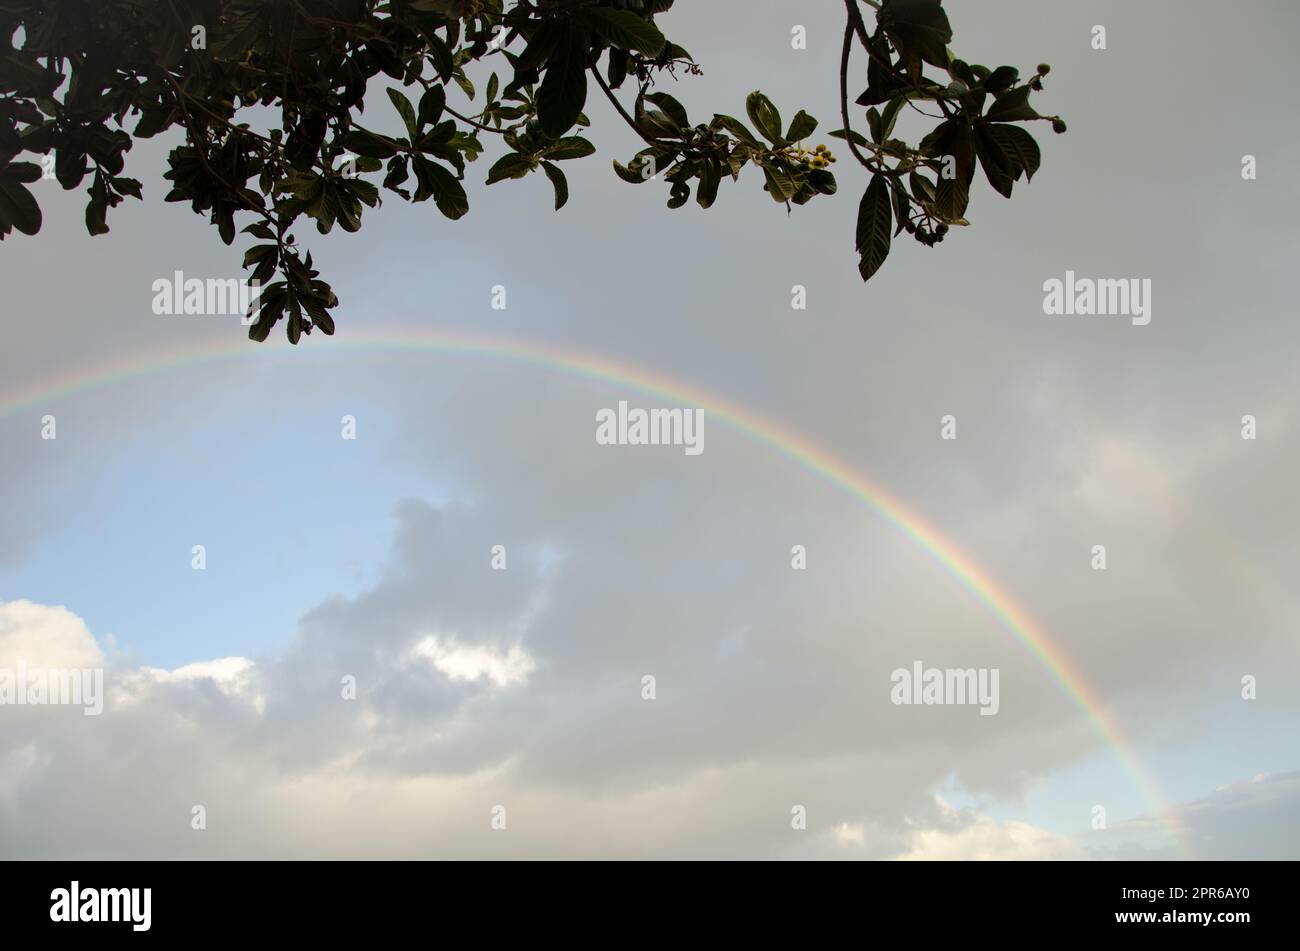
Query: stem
x=429, y=83
x=859, y=26
x=609, y=94
x=844, y=102
x=468, y=121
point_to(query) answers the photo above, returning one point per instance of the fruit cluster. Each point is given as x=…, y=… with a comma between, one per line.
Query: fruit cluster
x=818, y=158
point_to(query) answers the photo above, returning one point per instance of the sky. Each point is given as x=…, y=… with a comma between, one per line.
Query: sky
x=519, y=692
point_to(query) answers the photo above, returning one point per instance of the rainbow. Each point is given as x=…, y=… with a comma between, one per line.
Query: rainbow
x=805, y=454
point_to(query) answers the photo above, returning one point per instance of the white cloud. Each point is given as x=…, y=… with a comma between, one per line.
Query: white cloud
x=310, y=762
x=471, y=663
x=850, y=834
x=235, y=677
x=41, y=636
x=967, y=834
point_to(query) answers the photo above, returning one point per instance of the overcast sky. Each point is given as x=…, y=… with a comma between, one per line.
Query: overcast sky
x=522, y=688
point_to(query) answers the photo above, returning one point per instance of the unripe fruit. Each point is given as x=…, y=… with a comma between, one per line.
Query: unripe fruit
x=1058, y=126
x=1043, y=69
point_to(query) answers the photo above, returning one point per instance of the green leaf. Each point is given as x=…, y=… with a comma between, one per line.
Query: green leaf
x=883, y=83
x=626, y=29
x=97, y=212
x=738, y=129
x=363, y=142
x=440, y=55
x=630, y=175
x=97, y=218
x=873, y=125
x=902, y=207
x=406, y=109
x=257, y=252
x=1017, y=145
x=801, y=126
x=996, y=165
x=363, y=190
x=511, y=165
x=18, y=208
x=563, y=92
x=855, y=136
x=618, y=65
x=560, y=183
x=127, y=186
x=448, y=194
x=1002, y=79
x=31, y=172
x=1012, y=106
x=952, y=195
x=919, y=30
x=671, y=107
x=432, y=104
x=875, y=222
x=889, y=117
x=571, y=147
x=541, y=46
x=707, y=191
x=656, y=125
x=922, y=188
x=960, y=69
x=679, y=194
x=765, y=116
x=349, y=211
x=779, y=183
x=822, y=181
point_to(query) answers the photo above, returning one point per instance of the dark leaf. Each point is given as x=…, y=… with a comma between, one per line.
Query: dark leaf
x=875, y=222
x=1019, y=148
x=559, y=182
x=627, y=30
x=432, y=104
x=18, y=207
x=570, y=148
x=801, y=126
x=448, y=193
x=406, y=110
x=1012, y=106
x=511, y=165
x=563, y=92
x=765, y=116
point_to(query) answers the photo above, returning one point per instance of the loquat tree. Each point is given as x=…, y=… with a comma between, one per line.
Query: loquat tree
x=270, y=96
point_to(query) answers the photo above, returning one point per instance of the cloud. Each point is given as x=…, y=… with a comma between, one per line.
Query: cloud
x=234, y=677
x=462, y=663
x=967, y=834
x=40, y=636
x=1254, y=818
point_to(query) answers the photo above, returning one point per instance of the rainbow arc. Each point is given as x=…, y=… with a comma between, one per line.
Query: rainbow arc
x=816, y=460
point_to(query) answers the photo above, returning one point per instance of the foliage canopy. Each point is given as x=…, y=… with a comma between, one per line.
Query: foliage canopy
x=81, y=79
